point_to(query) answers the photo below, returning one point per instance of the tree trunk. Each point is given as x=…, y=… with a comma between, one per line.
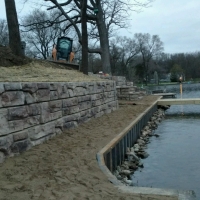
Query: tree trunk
x=84, y=68
x=104, y=42
x=13, y=27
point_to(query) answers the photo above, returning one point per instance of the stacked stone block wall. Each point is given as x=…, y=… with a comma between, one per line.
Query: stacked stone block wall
x=31, y=113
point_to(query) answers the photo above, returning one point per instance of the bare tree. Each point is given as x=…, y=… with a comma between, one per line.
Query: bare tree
x=3, y=33
x=107, y=13
x=84, y=68
x=39, y=33
x=13, y=27
x=123, y=51
x=149, y=47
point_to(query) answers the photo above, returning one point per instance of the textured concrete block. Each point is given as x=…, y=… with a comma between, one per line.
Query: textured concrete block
x=55, y=105
x=43, y=85
x=79, y=91
x=84, y=98
x=69, y=125
x=74, y=117
x=31, y=121
x=53, y=95
x=34, y=109
x=2, y=89
x=30, y=98
x=4, y=126
x=45, y=113
x=53, y=86
x=97, y=102
x=2, y=157
x=92, y=88
x=43, y=139
x=21, y=135
x=85, y=105
x=43, y=95
x=70, y=102
x=70, y=110
x=42, y=131
x=20, y=146
x=56, y=115
x=16, y=125
x=59, y=123
x=17, y=113
x=5, y=143
x=12, y=86
x=29, y=87
x=62, y=91
x=94, y=111
x=12, y=98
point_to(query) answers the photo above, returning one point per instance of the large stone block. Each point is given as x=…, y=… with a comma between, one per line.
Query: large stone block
x=16, y=125
x=20, y=146
x=29, y=87
x=84, y=116
x=85, y=105
x=56, y=115
x=53, y=86
x=69, y=125
x=43, y=85
x=59, y=123
x=17, y=113
x=43, y=95
x=74, y=117
x=53, y=95
x=31, y=121
x=94, y=111
x=70, y=110
x=97, y=102
x=92, y=88
x=12, y=98
x=62, y=91
x=2, y=89
x=4, y=126
x=21, y=135
x=79, y=91
x=12, y=86
x=70, y=102
x=5, y=143
x=43, y=139
x=2, y=157
x=41, y=131
x=45, y=113
x=34, y=109
x=55, y=105
x=30, y=98
x=94, y=97
x=84, y=98
x=70, y=92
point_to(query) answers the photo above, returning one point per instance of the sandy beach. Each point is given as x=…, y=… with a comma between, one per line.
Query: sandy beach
x=65, y=167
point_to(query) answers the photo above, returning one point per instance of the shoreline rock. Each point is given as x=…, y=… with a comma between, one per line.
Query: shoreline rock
x=135, y=154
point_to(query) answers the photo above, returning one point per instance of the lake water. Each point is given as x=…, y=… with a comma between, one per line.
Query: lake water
x=174, y=157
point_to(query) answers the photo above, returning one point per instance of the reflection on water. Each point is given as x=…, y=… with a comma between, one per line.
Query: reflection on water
x=174, y=156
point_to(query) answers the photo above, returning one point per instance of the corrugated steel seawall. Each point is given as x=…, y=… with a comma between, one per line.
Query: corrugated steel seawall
x=114, y=152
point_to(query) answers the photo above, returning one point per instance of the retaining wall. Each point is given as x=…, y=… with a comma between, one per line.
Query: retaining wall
x=31, y=113
x=113, y=153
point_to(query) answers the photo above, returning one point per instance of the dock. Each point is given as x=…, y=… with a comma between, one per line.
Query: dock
x=166, y=95
x=164, y=102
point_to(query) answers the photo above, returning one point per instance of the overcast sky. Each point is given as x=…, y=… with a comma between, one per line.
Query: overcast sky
x=177, y=22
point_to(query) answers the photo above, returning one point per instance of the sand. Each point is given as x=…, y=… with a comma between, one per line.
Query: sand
x=65, y=167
